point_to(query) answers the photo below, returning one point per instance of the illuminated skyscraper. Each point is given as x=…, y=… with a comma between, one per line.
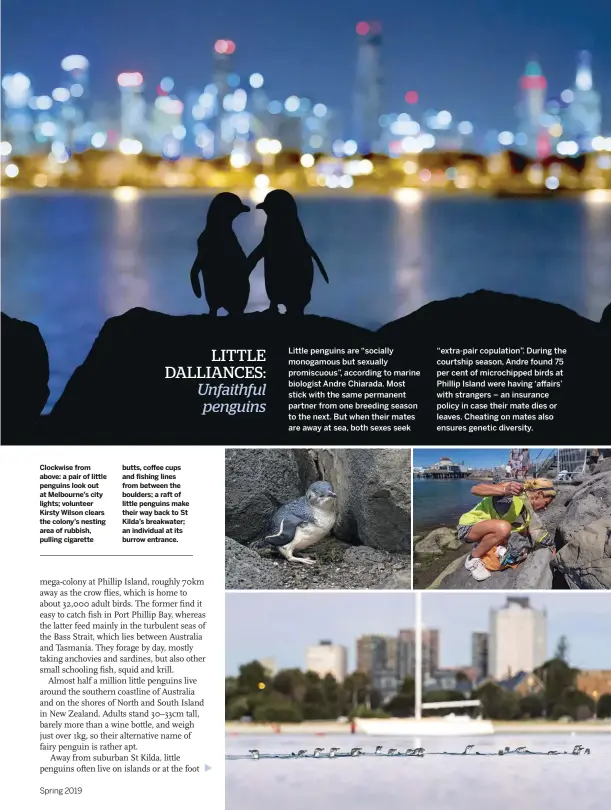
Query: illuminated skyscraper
x=583, y=120
x=532, y=110
x=75, y=112
x=368, y=92
x=18, y=116
x=223, y=78
x=133, y=106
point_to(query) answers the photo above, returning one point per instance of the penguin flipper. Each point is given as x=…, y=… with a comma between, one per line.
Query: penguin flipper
x=255, y=257
x=286, y=531
x=316, y=258
x=195, y=285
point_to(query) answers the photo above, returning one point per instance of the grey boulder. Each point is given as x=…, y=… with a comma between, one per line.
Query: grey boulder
x=373, y=495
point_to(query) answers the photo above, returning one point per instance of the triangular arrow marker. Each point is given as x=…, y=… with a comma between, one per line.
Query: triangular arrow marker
x=207, y=768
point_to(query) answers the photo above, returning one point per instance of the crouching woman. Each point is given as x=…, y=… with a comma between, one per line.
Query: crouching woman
x=499, y=526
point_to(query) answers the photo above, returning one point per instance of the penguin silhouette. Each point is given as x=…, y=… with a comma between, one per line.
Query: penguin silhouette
x=220, y=258
x=288, y=257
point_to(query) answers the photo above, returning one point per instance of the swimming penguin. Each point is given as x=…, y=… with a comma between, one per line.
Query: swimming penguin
x=220, y=258
x=303, y=522
x=289, y=270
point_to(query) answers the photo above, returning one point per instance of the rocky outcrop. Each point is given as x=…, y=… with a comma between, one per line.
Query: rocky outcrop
x=374, y=495
x=584, y=535
x=245, y=569
x=25, y=379
x=372, y=487
x=256, y=481
x=437, y=542
x=533, y=574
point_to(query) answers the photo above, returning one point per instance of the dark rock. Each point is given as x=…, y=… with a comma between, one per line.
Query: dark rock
x=374, y=495
x=533, y=574
x=246, y=570
x=585, y=560
x=585, y=556
x=438, y=541
x=25, y=379
x=122, y=389
x=256, y=481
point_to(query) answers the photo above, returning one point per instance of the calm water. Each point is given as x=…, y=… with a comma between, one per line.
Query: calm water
x=456, y=783
x=440, y=503
x=71, y=261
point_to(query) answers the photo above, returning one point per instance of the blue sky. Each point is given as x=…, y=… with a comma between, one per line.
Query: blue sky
x=481, y=458
x=281, y=625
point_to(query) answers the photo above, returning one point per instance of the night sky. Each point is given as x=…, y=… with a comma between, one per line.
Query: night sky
x=463, y=55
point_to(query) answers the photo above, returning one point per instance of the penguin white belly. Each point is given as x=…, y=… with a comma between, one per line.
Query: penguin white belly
x=309, y=533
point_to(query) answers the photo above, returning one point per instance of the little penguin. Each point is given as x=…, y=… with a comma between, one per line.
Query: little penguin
x=289, y=269
x=303, y=522
x=220, y=258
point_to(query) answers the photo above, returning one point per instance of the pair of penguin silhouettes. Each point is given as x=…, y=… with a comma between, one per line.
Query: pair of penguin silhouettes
x=225, y=268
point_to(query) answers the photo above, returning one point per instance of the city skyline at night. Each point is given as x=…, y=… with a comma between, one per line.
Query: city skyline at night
x=466, y=60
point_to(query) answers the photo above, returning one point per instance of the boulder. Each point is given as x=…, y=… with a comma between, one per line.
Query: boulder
x=590, y=501
x=374, y=495
x=25, y=379
x=438, y=541
x=585, y=560
x=246, y=570
x=256, y=481
x=533, y=574
x=397, y=581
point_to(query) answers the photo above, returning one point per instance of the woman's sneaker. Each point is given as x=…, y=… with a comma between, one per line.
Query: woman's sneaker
x=476, y=568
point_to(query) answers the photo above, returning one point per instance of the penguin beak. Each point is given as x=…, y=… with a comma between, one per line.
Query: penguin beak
x=332, y=495
x=245, y=209
x=261, y=206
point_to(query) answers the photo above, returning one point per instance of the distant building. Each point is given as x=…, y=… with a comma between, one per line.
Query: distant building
x=447, y=680
x=386, y=683
x=584, y=116
x=368, y=91
x=479, y=653
x=406, y=653
x=371, y=654
x=133, y=106
x=595, y=682
x=531, y=110
x=269, y=665
x=523, y=684
x=326, y=658
x=517, y=639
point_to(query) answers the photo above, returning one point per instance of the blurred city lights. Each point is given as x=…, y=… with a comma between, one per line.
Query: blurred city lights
x=568, y=148
x=465, y=128
x=239, y=160
x=346, y=181
x=98, y=139
x=362, y=28
x=411, y=97
x=307, y=161
x=5, y=148
x=261, y=181
x=74, y=62
x=61, y=94
x=11, y=170
x=350, y=148
x=256, y=80
x=167, y=84
x=48, y=129
x=125, y=194
x=274, y=107
x=407, y=196
x=224, y=46
x=41, y=180
x=44, y=102
x=130, y=146
x=291, y=104
x=444, y=118
x=506, y=138
x=179, y=132
x=77, y=90
x=320, y=110
x=552, y=183
x=598, y=195
x=129, y=79
x=275, y=147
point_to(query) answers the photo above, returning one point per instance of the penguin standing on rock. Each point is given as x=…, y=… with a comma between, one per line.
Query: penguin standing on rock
x=303, y=522
x=288, y=257
x=220, y=258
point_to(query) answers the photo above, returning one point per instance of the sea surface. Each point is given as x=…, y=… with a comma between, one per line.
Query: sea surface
x=440, y=503
x=72, y=260
x=428, y=783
